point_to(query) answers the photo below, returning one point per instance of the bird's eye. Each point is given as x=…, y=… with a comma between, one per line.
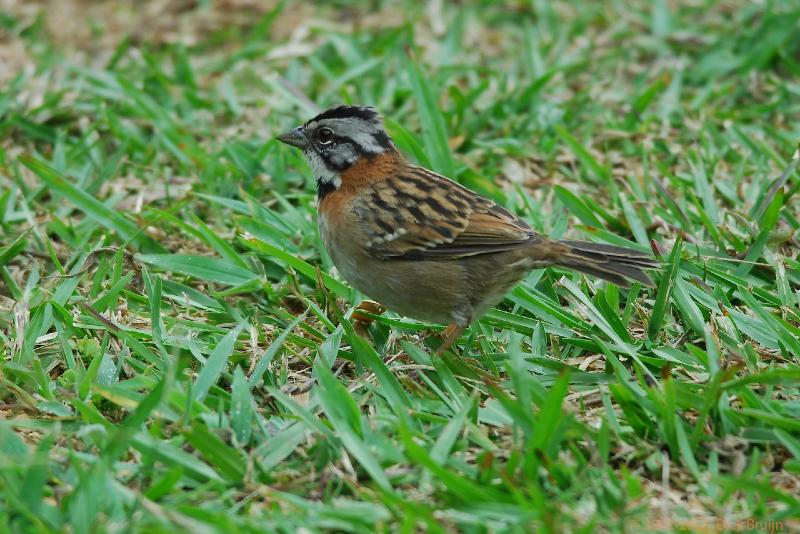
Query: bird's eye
x=325, y=136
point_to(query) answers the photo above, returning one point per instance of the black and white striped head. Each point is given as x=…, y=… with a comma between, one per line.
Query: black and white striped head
x=337, y=138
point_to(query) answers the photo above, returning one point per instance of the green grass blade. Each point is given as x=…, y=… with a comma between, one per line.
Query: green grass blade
x=200, y=267
x=215, y=364
x=434, y=131
x=108, y=217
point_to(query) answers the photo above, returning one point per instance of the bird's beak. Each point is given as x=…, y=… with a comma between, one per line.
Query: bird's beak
x=294, y=137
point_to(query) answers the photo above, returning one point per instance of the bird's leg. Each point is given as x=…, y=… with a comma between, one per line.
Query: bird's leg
x=449, y=336
x=360, y=321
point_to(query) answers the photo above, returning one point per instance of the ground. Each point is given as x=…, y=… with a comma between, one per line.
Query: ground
x=177, y=352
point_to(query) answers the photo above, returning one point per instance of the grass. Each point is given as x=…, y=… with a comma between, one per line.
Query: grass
x=177, y=350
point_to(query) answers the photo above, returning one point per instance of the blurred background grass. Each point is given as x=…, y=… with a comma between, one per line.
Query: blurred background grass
x=173, y=358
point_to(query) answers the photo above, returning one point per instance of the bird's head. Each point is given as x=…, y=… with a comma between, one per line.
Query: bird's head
x=337, y=139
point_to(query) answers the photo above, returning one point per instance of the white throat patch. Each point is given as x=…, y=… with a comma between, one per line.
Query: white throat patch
x=321, y=171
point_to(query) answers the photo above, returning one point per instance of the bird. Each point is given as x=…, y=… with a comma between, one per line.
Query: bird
x=421, y=244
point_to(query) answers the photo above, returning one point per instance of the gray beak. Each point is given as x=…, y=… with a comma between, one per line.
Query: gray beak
x=294, y=137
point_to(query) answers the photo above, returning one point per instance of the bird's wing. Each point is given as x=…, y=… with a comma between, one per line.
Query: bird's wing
x=421, y=215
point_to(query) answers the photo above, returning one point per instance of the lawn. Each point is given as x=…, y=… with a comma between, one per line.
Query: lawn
x=177, y=351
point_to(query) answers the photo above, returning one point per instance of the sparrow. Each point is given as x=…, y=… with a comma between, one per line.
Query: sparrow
x=420, y=244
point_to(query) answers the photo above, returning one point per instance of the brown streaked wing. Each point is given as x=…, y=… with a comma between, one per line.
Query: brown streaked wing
x=422, y=215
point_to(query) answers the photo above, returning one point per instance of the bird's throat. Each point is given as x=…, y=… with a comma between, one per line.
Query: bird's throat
x=326, y=186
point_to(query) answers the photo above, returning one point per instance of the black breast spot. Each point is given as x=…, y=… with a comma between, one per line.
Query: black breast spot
x=324, y=188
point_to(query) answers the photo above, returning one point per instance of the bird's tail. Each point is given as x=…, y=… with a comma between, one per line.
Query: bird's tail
x=615, y=264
